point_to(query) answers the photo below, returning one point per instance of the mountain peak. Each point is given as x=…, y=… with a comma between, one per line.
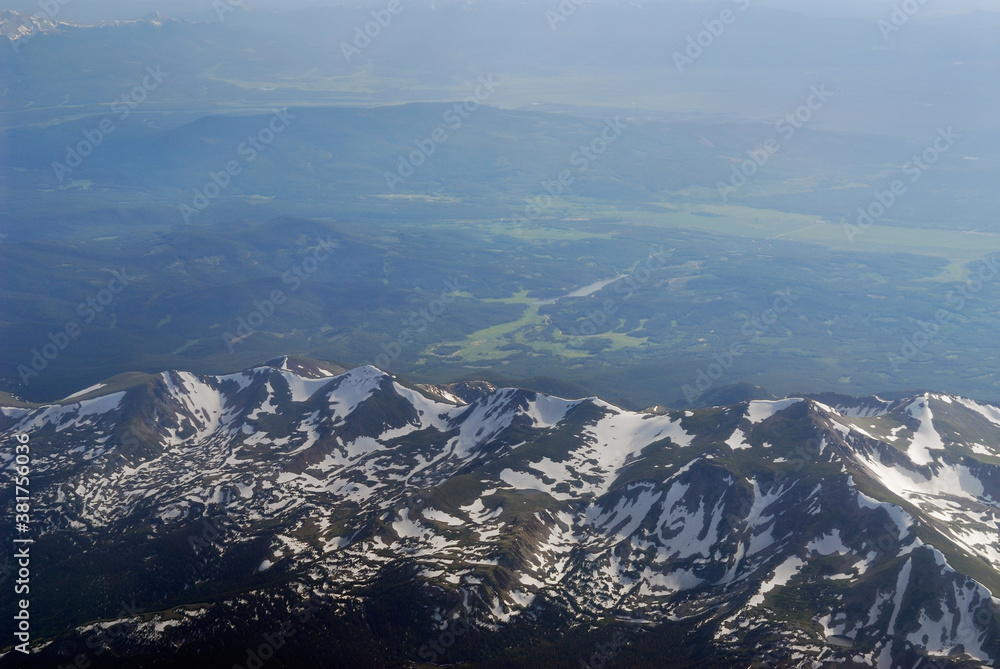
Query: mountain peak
x=305, y=367
x=847, y=528
x=15, y=25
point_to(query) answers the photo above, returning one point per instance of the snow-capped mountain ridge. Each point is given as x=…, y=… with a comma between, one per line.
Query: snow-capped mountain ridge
x=14, y=25
x=740, y=522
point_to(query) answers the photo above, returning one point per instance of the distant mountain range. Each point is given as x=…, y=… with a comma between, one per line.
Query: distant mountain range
x=298, y=513
x=237, y=57
x=20, y=25
x=15, y=26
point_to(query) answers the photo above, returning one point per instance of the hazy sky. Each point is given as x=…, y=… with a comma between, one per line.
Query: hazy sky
x=90, y=10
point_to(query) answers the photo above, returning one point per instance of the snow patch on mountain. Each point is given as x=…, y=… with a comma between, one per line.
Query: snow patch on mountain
x=926, y=438
x=547, y=411
x=325, y=469
x=85, y=391
x=782, y=574
x=760, y=410
x=303, y=389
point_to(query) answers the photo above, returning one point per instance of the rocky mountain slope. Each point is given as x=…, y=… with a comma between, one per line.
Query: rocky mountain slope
x=297, y=512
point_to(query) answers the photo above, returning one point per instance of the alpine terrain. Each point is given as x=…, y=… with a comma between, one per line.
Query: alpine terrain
x=299, y=514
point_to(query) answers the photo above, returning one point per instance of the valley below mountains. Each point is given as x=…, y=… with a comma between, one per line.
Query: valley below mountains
x=300, y=514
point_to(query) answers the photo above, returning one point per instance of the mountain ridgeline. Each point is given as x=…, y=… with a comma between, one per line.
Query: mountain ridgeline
x=300, y=513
